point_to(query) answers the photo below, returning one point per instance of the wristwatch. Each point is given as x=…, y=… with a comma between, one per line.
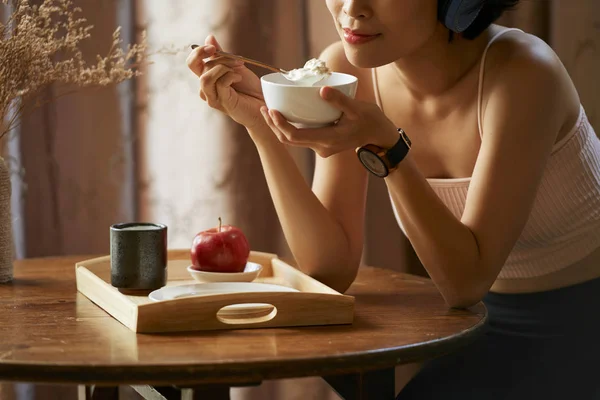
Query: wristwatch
x=381, y=162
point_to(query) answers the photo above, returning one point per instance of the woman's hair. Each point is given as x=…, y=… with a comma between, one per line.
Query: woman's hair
x=491, y=11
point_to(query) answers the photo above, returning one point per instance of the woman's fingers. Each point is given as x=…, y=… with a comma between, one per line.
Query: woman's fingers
x=285, y=132
x=211, y=40
x=225, y=93
x=265, y=113
x=340, y=101
x=208, y=82
x=230, y=62
x=225, y=81
x=288, y=131
x=195, y=60
x=210, y=69
x=229, y=65
x=318, y=136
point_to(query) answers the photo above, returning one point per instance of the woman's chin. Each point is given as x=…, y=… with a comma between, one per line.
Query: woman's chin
x=367, y=57
x=364, y=61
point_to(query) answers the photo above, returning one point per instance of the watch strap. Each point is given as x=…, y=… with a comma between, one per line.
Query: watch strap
x=397, y=153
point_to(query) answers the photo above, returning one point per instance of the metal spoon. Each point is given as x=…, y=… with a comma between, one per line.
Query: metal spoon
x=248, y=60
x=285, y=73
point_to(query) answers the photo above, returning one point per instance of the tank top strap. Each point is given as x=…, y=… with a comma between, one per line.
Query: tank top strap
x=482, y=73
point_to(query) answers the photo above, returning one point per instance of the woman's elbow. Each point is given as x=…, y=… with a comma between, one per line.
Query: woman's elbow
x=462, y=302
x=467, y=289
x=339, y=283
x=339, y=280
x=463, y=297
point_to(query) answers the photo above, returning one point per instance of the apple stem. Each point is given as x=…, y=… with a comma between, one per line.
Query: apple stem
x=219, y=224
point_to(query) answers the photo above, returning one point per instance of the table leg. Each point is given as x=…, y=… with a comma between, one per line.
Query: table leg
x=173, y=393
x=368, y=385
x=94, y=392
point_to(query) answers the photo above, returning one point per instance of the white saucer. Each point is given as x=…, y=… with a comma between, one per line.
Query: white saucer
x=206, y=289
x=249, y=274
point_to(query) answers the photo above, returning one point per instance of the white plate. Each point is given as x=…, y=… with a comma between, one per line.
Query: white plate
x=205, y=289
x=249, y=274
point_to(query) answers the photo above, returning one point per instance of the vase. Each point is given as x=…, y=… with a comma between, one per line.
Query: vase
x=6, y=238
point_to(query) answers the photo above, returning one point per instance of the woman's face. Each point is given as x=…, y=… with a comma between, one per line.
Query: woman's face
x=378, y=32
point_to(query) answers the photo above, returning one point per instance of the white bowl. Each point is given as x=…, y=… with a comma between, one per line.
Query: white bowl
x=302, y=106
x=249, y=274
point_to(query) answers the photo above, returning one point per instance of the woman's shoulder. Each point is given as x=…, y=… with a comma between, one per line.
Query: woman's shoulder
x=523, y=59
x=517, y=47
x=519, y=51
x=335, y=58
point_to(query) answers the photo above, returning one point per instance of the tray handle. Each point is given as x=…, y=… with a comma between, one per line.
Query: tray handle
x=246, y=313
x=223, y=311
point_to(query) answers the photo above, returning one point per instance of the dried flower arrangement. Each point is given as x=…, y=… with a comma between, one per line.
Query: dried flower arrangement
x=39, y=46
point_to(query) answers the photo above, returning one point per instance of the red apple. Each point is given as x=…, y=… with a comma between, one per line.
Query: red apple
x=221, y=249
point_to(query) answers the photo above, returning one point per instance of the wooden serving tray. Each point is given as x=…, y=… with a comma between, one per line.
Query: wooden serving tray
x=313, y=304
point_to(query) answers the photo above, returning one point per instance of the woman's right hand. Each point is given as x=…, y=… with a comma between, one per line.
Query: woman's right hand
x=227, y=85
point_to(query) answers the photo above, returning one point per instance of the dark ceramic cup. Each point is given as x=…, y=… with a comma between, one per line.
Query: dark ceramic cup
x=138, y=256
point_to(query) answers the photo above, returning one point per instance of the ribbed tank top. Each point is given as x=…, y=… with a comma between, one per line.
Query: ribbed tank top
x=564, y=224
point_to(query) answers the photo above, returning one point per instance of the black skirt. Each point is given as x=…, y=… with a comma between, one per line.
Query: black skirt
x=543, y=345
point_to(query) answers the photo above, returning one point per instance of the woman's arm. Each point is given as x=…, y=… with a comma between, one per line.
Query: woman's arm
x=528, y=97
x=323, y=226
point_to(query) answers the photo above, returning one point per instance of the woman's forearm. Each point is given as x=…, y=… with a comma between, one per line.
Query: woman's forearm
x=446, y=247
x=317, y=240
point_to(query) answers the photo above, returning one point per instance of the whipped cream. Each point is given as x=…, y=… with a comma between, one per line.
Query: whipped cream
x=313, y=71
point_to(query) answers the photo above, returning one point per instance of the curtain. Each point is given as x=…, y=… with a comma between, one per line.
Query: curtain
x=74, y=157
x=152, y=150
x=197, y=165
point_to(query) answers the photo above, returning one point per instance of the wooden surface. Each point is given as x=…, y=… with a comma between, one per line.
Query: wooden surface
x=313, y=304
x=51, y=333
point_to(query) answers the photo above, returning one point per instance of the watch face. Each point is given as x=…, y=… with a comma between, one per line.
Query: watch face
x=372, y=163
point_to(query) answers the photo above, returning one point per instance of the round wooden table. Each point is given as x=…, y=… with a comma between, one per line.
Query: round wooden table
x=53, y=334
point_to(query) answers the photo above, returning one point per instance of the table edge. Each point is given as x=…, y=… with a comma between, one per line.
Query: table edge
x=257, y=371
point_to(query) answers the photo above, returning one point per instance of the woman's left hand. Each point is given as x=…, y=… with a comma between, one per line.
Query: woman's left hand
x=361, y=123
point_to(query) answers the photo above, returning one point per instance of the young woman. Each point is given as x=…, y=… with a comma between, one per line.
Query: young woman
x=499, y=192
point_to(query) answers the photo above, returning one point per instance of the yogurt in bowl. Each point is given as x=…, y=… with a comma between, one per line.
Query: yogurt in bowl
x=313, y=71
x=298, y=99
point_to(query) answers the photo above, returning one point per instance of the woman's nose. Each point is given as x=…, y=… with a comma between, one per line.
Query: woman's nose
x=358, y=9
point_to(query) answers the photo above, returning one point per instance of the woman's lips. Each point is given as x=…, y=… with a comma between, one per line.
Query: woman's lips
x=354, y=37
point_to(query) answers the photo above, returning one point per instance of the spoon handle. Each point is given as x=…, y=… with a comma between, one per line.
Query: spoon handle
x=247, y=60
x=250, y=61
